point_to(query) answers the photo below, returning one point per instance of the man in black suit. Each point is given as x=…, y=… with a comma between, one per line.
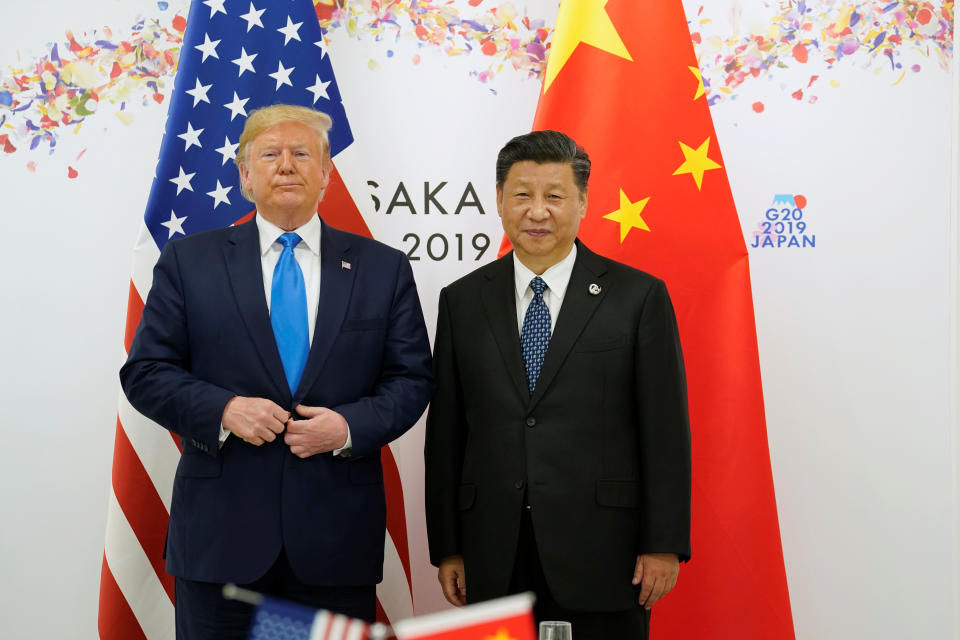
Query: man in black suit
x=558, y=445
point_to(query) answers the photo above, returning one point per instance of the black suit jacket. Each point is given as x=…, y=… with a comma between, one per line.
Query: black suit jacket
x=601, y=449
x=205, y=337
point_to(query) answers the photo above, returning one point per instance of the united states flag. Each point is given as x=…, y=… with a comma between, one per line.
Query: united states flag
x=282, y=620
x=237, y=55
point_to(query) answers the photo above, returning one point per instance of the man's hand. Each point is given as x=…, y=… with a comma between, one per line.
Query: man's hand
x=323, y=430
x=452, y=582
x=657, y=574
x=255, y=420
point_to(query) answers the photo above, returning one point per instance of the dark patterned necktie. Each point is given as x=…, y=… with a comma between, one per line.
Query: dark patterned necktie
x=535, y=335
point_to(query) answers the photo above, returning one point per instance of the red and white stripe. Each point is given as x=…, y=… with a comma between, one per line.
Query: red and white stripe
x=333, y=626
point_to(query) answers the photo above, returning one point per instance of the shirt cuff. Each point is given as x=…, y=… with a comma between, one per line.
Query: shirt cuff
x=346, y=448
x=224, y=434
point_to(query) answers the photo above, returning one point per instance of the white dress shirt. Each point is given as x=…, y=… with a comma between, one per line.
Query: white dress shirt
x=557, y=278
x=307, y=255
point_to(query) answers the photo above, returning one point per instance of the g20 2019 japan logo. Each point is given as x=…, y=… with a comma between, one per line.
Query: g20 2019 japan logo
x=784, y=225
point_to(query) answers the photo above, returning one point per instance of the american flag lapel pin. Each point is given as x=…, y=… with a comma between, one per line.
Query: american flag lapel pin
x=344, y=264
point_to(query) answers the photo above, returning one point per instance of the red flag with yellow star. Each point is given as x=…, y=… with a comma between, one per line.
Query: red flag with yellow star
x=509, y=618
x=622, y=79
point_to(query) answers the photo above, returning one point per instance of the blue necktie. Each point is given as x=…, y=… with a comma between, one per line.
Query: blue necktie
x=535, y=335
x=288, y=311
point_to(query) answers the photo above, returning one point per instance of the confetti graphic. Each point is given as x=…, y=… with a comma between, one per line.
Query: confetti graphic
x=98, y=72
x=501, y=34
x=873, y=35
x=79, y=76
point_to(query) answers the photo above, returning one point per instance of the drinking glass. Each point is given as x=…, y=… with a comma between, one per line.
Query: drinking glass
x=556, y=630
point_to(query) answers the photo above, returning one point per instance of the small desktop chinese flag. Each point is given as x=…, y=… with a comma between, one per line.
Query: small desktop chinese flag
x=509, y=618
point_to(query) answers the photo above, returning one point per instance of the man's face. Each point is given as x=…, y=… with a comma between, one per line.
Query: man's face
x=541, y=209
x=286, y=172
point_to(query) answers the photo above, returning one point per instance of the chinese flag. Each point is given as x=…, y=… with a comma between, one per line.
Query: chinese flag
x=622, y=79
x=509, y=618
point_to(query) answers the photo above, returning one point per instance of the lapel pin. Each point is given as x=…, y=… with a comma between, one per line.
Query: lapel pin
x=344, y=265
x=594, y=289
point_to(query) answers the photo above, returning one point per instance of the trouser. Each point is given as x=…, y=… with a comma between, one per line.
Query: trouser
x=202, y=613
x=630, y=624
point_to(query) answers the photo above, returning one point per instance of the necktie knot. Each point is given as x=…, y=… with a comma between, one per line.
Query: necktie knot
x=289, y=240
x=538, y=285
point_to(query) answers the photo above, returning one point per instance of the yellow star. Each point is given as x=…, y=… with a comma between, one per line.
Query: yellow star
x=583, y=21
x=696, y=162
x=501, y=635
x=700, y=89
x=628, y=215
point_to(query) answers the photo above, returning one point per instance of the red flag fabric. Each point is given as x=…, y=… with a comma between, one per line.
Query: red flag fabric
x=509, y=618
x=622, y=79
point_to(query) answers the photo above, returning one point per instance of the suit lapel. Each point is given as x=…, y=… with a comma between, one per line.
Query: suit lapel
x=498, y=296
x=336, y=284
x=577, y=309
x=242, y=255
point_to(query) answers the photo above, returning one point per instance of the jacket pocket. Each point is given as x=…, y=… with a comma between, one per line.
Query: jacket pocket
x=603, y=344
x=198, y=465
x=365, y=471
x=468, y=495
x=618, y=493
x=363, y=324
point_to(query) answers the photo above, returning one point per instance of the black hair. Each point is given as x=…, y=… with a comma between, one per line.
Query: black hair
x=542, y=147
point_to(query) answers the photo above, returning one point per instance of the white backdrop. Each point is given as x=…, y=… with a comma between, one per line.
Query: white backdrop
x=857, y=336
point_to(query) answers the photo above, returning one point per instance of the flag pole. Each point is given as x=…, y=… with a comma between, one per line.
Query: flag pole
x=233, y=592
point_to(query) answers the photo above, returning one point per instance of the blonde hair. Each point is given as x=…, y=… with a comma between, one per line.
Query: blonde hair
x=263, y=118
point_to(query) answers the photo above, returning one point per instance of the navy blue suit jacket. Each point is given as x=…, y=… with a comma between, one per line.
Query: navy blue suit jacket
x=205, y=337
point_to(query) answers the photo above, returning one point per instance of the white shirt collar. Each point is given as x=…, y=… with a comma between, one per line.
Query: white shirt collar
x=309, y=234
x=557, y=277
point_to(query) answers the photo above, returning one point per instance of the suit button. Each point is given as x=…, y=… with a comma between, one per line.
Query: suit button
x=531, y=421
x=518, y=484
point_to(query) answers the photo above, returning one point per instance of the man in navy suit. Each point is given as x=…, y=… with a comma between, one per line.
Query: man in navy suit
x=284, y=353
